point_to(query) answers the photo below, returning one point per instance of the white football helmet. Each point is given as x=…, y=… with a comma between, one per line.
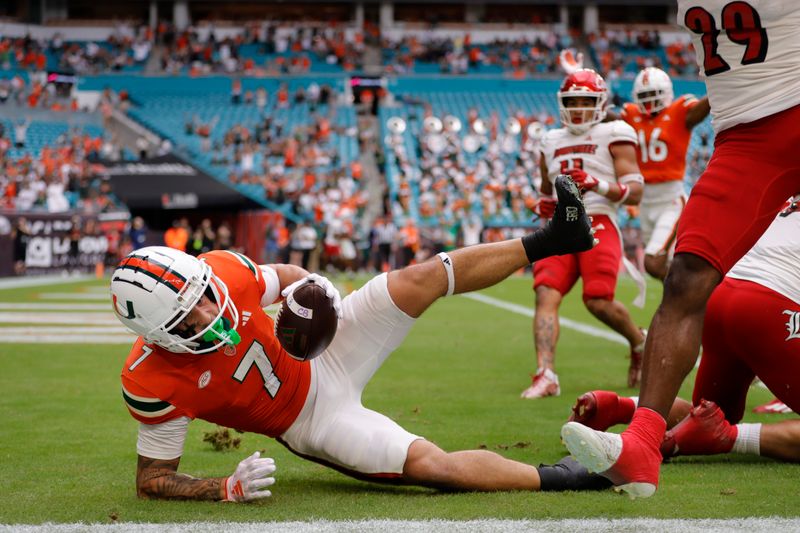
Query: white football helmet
x=154, y=288
x=652, y=90
x=583, y=83
x=535, y=131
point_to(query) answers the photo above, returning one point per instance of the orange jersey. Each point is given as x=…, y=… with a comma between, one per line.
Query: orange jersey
x=663, y=139
x=254, y=386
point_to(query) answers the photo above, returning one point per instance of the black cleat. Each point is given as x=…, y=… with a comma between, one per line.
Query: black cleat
x=569, y=474
x=570, y=226
x=568, y=232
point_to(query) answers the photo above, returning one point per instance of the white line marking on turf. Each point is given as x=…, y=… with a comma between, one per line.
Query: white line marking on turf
x=625, y=525
x=36, y=281
x=66, y=330
x=68, y=339
x=41, y=306
x=75, y=296
x=62, y=318
x=565, y=322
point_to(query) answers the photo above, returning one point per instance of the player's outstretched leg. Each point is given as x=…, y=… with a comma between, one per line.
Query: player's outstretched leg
x=413, y=289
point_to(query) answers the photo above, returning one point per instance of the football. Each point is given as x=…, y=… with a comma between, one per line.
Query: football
x=306, y=322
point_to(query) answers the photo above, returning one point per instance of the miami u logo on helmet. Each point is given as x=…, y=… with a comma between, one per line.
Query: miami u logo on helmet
x=129, y=308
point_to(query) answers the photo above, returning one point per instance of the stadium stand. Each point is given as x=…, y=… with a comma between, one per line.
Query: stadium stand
x=502, y=169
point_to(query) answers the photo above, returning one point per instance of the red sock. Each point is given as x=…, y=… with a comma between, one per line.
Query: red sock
x=648, y=426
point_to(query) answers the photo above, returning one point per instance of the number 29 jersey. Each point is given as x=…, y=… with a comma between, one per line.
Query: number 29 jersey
x=749, y=53
x=254, y=386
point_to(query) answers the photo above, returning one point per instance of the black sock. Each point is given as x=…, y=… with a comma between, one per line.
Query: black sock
x=569, y=474
x=538, y=244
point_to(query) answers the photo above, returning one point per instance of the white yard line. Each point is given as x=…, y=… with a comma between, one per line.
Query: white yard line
x=103, y=297
x=66, y=330
x=565, y=322
x=40, y=306
x=74, y=338
x=36, y=281
x=59, y=318
x=592, y=525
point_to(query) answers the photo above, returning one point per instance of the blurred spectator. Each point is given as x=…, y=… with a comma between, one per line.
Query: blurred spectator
x=236, y=91
x=303, y=242
x=178, y=235
x=138, y=233
x=409, y=242
x=224, y=238
x=20, y=235
x=384, y=235
x=21, y=132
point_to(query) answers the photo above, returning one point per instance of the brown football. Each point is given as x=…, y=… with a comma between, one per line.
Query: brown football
x=306, y=322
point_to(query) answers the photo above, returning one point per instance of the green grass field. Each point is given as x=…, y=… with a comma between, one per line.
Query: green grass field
x=67, y=444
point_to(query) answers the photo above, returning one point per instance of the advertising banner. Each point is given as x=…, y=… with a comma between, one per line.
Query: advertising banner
x=168, y=182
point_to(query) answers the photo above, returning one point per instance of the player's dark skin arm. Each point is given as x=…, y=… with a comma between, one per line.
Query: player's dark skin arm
x=158, y=479
x=694, y=116
x=698, y=113
x=547, y=186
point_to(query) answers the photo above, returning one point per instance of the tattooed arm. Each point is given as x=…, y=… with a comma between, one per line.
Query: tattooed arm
x=159, y=479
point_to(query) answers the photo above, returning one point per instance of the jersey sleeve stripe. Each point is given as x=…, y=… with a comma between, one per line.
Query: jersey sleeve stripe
x=245, y=261
x=146, y=407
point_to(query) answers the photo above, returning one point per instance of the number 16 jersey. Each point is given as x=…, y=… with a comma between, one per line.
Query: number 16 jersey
x=749, y=53
x=663, y=139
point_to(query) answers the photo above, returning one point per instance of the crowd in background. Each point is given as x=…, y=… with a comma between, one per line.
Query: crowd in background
x=485, y=174
x=125, y=47
x=263, y=48
x=64, y=176
x=519, y=57
x=623, y=53
x=447, y=195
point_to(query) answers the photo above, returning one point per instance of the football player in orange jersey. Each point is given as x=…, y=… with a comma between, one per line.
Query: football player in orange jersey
x=207, y=350
x=664, y=127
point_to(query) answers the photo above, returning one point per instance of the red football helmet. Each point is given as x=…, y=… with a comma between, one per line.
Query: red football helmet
x=583, y=83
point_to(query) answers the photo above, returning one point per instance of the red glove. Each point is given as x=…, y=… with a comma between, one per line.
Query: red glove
x=583, y=180
x=545, y=207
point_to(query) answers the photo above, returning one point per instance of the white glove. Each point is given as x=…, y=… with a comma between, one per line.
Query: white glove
x=249, y=478
x=330, y=290
x=570, y=62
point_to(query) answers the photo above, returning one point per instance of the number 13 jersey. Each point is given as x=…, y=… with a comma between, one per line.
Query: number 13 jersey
x=749, y=53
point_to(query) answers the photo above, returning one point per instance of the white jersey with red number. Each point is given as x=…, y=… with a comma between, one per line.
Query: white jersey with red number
x=563, y=150
x=749, y=53
x=774, y=261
